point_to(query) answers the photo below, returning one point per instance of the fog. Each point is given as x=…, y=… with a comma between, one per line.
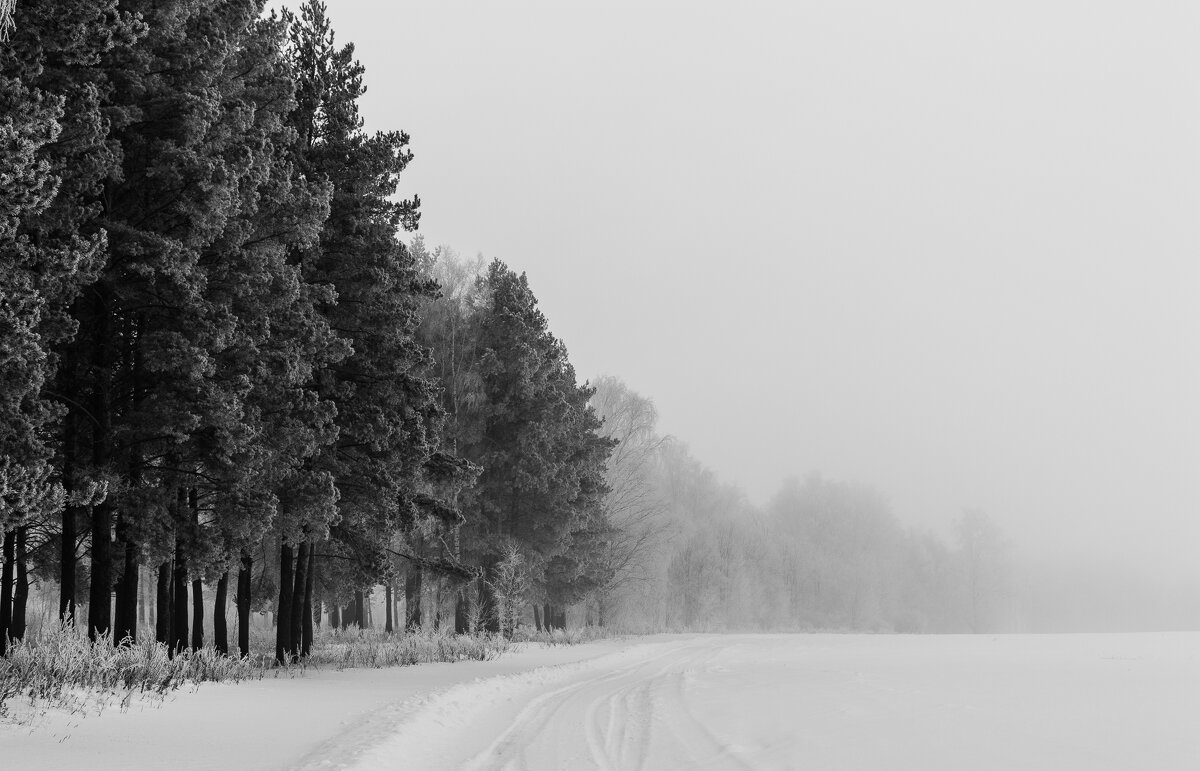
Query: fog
x=947, y=250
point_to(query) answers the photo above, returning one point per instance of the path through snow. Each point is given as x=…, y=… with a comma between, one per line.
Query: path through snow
x=825, y=701
x=843, y=702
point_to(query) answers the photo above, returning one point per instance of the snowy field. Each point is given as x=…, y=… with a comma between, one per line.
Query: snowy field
x=737, y=702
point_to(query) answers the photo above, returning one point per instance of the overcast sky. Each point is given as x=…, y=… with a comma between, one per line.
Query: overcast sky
x=947, y=248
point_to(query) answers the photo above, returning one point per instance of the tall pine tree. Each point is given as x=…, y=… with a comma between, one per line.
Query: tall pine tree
x=387, y=409
x=536, y=440
x=60, y=152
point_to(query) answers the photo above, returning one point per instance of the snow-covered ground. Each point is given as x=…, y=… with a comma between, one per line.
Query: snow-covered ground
x=739, y=701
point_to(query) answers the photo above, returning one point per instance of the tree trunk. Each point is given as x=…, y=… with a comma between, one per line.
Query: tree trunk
x=179, y=600
x=360, y=609
x=537, y=617
x=488, y=615
x=6, y=589
x=387, y=597
x=220, y=632
x=243, y=605
x=127, y=586
x=310, y=580
x=432, y=601
x=67, y=572
x=300, y=579
x=412, y=598
x=283, y=611
x=162, y=612
x=348, y=619
x=197, y=615
x=70, y=518
x=143, y=603
x=335, y=617
x=100, y=596
x=21, y=592
x=554, y=617
x=462, y=611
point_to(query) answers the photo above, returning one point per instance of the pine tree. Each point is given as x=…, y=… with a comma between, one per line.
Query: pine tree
x=387, y=410
x=29, y=123
x=57, y=152
x=537, y=442
x=167, y=370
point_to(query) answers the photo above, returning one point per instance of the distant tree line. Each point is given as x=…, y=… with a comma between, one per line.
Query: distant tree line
x=821, y=555
x=220, y=362
x=672, y=547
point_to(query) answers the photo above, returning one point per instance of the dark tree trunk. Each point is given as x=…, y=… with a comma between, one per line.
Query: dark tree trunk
x=67, y=572
x=21, y=592
x=537, y=617
x=130, y=553
x=6, y=589
x=70, y=515
x=283, y=611
x=127, y=586
x=162, y=610
x=100, y=596
x=487, y=602
x=437, y=598
x=220, y=632
x=554, y=617
x=462, y=611
x=412, y=598
x=243, y=605
x=310, y=580
x=197, y=615
x=335, y=616
x=348, y=619
x=179, y=600
x=296, y=633
x=143, y=604
x=387, y=598
x=360, y=609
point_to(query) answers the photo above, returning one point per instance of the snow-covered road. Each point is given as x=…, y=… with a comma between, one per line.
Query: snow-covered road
x=823, y=701
x=844, y=702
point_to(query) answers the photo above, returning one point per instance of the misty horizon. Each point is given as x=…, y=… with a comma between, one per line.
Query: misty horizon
x=958, y=268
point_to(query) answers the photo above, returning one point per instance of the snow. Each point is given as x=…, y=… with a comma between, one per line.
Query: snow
x=675, y=702
x=263, y=724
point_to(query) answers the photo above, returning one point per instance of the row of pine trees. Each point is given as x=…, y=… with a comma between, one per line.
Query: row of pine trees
x=221, y=365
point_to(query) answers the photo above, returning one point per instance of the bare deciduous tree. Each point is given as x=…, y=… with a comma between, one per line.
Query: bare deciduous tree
x=7, y=9
x=632, y=506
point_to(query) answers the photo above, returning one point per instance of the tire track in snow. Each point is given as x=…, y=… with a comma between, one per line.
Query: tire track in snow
x=692, y=738
x=544, y=733
x=620, y=714
x=448, y=728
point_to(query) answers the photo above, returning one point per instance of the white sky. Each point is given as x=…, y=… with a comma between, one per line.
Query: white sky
x=947, y=248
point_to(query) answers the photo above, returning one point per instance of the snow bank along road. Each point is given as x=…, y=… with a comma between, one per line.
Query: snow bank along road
x=815, y=701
